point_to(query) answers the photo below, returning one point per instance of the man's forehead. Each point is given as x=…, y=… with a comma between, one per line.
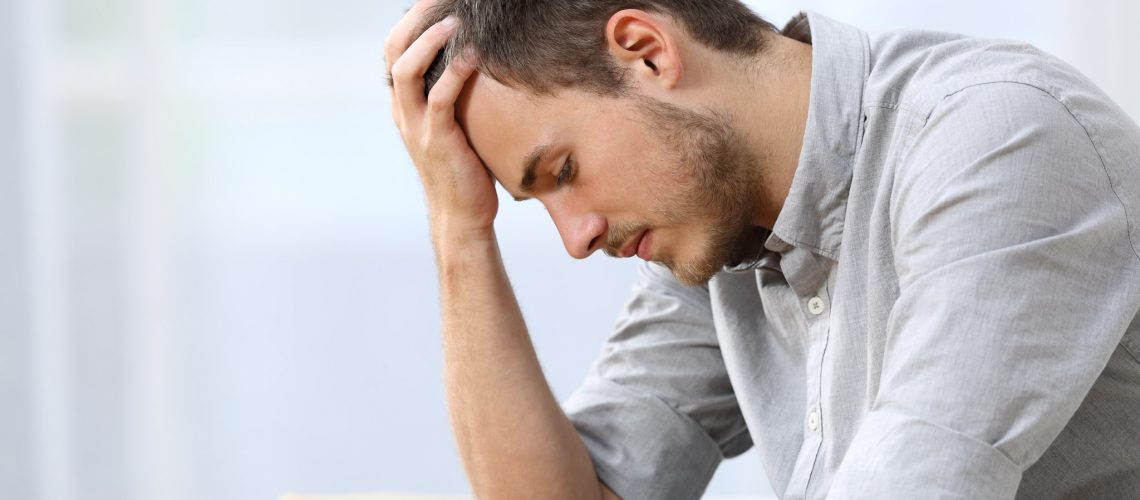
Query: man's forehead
x=505, y=125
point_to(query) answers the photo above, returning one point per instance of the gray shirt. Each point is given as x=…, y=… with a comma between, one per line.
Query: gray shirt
x=945, y=308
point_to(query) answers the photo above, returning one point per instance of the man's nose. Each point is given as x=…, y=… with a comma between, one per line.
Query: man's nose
x=582, y=232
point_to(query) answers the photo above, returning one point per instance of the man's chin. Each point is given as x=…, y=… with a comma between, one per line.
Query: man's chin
x=699, y=271
x=693, y=274
x=709, y=257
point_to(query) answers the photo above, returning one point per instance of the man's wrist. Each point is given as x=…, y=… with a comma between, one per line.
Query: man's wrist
x=451, y=238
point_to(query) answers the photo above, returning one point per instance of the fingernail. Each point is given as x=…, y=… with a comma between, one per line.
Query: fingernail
x=449, y=21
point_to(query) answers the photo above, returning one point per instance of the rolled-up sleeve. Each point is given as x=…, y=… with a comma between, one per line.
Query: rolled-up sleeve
x=657, y=412
x=1007, y=233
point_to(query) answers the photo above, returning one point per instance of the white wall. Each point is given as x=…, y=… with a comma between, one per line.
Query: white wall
x=216, y=274
x=15, y=419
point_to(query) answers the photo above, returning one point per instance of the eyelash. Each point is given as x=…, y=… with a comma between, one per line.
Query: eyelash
x=566, y=173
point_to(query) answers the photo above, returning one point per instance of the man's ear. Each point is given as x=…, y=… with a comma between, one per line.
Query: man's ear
x=643, y=43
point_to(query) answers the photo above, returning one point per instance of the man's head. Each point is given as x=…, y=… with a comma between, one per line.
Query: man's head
x=545, y=45
x=602, y=110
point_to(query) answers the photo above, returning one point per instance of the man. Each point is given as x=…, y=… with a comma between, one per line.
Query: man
x=902, y=266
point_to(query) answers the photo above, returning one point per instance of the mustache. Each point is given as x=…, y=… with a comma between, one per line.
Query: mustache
x=619, y=234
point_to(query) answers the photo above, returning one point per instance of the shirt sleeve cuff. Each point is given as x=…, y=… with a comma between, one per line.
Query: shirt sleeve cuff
x=641, y=446
x=897, y=456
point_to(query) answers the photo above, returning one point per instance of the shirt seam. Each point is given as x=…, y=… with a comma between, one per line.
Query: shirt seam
x=796, y=242
x=1092, y=142
x=1127, y=345
x=1104, y=166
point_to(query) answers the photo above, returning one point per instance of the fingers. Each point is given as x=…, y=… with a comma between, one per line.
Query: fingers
x=441, y=101
x=408, y=71
x=403, y=34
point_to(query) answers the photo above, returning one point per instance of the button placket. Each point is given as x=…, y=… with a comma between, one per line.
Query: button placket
x=809, y=276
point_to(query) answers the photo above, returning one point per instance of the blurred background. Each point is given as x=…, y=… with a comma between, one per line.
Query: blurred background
x=215, y=275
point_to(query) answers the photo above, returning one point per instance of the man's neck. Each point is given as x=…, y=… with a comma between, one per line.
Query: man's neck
x=769, y=105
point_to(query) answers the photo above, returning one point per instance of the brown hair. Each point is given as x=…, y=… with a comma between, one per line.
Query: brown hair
x=544, y=45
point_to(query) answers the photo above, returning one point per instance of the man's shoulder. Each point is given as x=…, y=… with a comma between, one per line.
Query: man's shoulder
x=969, y=97
x=914, y=71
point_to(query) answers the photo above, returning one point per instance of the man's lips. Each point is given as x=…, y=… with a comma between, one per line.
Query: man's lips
x=635, y=246
x=645, y=246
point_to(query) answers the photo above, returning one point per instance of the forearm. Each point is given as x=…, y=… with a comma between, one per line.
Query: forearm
x=513, y=437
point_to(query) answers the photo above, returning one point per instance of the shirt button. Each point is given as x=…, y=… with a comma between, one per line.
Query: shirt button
x=815, y=306
x=813, y=421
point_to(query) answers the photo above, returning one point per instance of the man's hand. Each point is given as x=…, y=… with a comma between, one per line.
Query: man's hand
x=460, y=192
x=514, y=439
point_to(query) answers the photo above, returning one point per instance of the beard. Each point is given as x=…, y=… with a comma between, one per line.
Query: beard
x=714, y=174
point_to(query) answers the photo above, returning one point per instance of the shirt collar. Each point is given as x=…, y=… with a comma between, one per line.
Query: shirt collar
x=813, y=213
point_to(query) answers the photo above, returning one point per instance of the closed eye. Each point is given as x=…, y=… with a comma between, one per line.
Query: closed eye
x=566, y=173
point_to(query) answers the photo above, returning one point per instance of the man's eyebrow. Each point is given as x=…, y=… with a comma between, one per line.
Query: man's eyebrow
x=530, y=165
